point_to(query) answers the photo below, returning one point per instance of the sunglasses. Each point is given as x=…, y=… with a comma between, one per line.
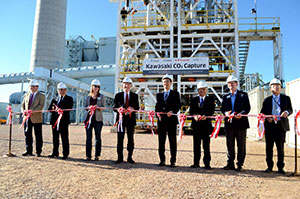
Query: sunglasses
x=96, y=86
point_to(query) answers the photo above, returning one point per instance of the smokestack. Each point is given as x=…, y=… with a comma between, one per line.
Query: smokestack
x=48, y=43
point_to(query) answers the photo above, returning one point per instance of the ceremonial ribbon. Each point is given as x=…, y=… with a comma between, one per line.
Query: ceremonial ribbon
x=216, y=130
x=182, y=118
x=121, y=110
x=60, y=113
x=199, y=117
x=151, y=115
x=9, y=109
x=129, y=111
x=296, y=118
x=26, y=116
x=260, y=125
x=231, y=116
x=92, y=110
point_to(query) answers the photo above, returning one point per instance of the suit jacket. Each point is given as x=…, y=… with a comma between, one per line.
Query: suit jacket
x=101, y=102
x=172, y=104
x=207, y=109
x=66, y=103
x=241, y=105
x=133, y=102
x=285, y=105
x=36, y=105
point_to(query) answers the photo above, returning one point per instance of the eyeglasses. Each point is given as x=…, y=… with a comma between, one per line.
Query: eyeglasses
x=96, y=86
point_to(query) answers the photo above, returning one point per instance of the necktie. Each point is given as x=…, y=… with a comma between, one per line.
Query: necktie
x=276, y=107
x=60, y=100
x=165, y=96
x=30, y=100
x=201, y=102
x=127, y=101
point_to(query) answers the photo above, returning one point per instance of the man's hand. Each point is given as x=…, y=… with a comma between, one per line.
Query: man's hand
x=169, y=114
x=284, y=114
x=227, y=113
x=196, y=117
x=203, y=117
x=238, y=116
x=269, y=119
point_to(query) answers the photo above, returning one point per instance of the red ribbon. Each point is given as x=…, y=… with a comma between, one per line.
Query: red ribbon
x=121, y=110
x=296, y=118
x=182, y=118
x=216, y=130
x=129, y=111
x=60, y=113
x=151, y=115
x=260, y=125
x=26, y=116
x=92, y=110
x=230, y=117
x=9, y=109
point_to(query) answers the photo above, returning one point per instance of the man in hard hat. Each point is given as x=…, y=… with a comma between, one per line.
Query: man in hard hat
x=276, y=127
x=201, y=106
x=34, y=101
x=235, y=103
x=168, y=102
x=129, y=101
x=62, y=102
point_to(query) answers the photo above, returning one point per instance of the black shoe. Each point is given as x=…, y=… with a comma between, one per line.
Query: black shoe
x=88, y=159
x=172, y=165
x=268, y=170
x=52, y=155
x=119, y=161
x=65, y=157
x=27, y=154
x=195, y=166
x=161, y=164
x=96, y=158
x=131, y=161
x=38, y=155
x=281, y=171
x=229, y=167
x=239, y=169
x=207, y=167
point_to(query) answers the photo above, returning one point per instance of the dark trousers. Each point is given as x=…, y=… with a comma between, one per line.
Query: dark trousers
x=130, y=143
x=275, y=134
x=38, y=136
x=162, y=135
x=240, y=136
x=197, y=137
x=64, y=133
x=97, y=126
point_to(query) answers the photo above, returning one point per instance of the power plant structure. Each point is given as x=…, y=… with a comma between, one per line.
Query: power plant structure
x=190, y=39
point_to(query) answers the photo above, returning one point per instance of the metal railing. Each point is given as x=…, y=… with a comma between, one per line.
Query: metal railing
x=260, y=24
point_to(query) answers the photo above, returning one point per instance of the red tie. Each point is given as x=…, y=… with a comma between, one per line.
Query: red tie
x=127, y=101
x=30, y=100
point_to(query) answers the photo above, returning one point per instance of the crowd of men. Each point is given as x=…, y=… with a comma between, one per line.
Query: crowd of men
x=234, y=105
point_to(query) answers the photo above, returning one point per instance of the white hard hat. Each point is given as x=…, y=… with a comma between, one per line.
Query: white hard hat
x=61, y=85
x=231, y=78
x=170, y=77
x=33, y=83
x=127, y=80
x=275, y=81
x=201, y=84
x=95, y=82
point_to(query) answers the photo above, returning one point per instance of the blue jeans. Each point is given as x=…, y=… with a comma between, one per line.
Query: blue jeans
x=89, y=136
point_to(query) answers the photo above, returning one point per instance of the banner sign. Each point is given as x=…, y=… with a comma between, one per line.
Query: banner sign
x=176, y=66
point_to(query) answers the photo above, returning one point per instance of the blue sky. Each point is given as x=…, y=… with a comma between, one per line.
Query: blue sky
x=98, y=18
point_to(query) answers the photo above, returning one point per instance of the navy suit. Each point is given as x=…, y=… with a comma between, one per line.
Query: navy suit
x=237, y=129
x=202, y=128
x=66, y=103
x=167, y=124
x=275, y=133
x=129, y=123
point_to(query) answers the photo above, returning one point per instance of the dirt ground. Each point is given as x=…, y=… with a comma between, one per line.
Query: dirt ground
x=43, y=177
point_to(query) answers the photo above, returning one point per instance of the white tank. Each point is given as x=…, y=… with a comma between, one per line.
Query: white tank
x=48, y=43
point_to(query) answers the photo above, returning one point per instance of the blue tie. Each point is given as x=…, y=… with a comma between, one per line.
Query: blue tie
x=166, y=96
x=201, y=102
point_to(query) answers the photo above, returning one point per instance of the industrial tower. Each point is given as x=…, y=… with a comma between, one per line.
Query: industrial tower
x=160, y=29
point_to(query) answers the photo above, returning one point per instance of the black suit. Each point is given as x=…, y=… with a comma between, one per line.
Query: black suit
x=129, y=122
x=237, y=129
x=202, y=128
x=65, y=103
x=167, y=124
x=275, y=133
